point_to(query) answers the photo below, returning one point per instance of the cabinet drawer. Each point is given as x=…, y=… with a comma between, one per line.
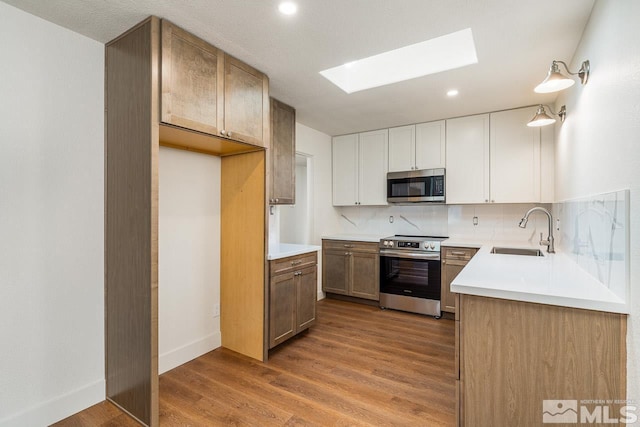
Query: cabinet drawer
x=293, y=262
x=350, y=246
x=459, y=253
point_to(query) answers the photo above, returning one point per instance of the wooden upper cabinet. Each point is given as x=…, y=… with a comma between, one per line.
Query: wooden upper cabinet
x=191, y=81
x=206, y=90
x=246, y=103
x=282, y=154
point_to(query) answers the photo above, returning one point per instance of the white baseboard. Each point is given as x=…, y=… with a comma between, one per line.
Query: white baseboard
x=176, y=357
x=321, y=295
x=58, y=408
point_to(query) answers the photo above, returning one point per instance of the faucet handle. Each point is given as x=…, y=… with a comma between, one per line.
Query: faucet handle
x=544, y=242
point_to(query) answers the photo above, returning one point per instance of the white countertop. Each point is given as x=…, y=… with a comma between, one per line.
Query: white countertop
x=284, y=250
x=356, y=237
x=554, y=279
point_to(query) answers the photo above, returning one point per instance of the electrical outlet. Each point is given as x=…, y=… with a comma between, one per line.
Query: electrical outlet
x=216, y=310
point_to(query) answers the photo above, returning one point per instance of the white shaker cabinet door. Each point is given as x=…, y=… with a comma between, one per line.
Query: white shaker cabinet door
x=345, y=170
x=402, y=141
x=467, y=159
x=515, y=157
x=373, y=166
x=430, y=145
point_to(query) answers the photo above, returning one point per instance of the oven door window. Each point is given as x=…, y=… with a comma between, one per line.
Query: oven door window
x=410, y=277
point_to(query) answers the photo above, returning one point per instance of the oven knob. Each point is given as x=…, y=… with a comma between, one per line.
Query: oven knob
x=389, y=243
x=432, y=245
x=426, y=245
x=386, y=243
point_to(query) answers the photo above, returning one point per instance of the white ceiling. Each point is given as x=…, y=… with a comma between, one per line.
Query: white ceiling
x=516, y=40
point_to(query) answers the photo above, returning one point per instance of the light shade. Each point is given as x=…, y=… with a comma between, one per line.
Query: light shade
x=554, y=81
x=541, y=118
x=442, y=53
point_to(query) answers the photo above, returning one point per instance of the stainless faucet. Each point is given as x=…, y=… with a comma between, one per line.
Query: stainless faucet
x=549, y=242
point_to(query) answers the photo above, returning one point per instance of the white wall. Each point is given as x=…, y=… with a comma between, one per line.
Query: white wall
x=597, y=147
x=295, y=226
x=325, y=218
x=189, y=256
x=51, y=221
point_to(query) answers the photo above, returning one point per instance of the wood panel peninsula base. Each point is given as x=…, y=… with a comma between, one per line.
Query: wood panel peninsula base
x=511, y=356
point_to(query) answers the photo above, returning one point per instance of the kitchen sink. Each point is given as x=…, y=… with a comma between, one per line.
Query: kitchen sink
x=516, y=251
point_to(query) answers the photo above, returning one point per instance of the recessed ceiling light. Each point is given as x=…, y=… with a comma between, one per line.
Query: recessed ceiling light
x=453, y=92
x=288, y=8
x=442, y=53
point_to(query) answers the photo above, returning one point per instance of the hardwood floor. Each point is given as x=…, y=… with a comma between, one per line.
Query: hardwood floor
x=359, y=366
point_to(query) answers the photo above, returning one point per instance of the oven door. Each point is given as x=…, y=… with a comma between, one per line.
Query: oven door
x=410, y=274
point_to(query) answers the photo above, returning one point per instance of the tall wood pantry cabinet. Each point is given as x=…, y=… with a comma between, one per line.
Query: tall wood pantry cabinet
x=166, y=87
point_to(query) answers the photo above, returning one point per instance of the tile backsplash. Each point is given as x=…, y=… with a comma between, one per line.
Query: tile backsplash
x=594, y=231
x=475, y=222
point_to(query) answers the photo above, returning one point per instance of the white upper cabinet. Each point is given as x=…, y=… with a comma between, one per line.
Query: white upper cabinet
x=467, y=159
x=489, y=158
x=372, y=167
x=420, y=146
x=360, y=168
x=402, y=148
x=345, y=170
x=515, y=157
x=430, y=145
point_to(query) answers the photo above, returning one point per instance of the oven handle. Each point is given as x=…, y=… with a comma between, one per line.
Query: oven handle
x=409, y=255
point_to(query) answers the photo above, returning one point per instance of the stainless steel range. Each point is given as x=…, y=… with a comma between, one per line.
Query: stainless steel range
x=410, y=274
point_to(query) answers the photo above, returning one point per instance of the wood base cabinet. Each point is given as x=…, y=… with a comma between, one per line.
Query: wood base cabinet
x=292, y=296
x=351, y=268
x=514, y=356
x=453, y=261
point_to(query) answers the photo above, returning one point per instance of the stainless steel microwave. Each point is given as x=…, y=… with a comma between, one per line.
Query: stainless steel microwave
x=417, y=186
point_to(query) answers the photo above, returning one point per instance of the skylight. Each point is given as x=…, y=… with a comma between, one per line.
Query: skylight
x=432, y=56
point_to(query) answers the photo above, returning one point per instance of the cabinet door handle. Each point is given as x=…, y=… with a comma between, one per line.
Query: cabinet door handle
x=458, y=253
x=296, y=262
x=223, y=132
x=229, y=134
x=444, y=261
x=348, y=246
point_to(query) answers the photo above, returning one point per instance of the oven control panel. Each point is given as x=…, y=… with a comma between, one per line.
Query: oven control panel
x=413, y=244
x=409, y=245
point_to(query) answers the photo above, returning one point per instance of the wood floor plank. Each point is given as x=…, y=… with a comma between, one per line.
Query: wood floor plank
x=358, y=366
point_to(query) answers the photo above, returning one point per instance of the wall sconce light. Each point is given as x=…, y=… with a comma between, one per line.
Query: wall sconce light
x=556, y=81
x=543, y=119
